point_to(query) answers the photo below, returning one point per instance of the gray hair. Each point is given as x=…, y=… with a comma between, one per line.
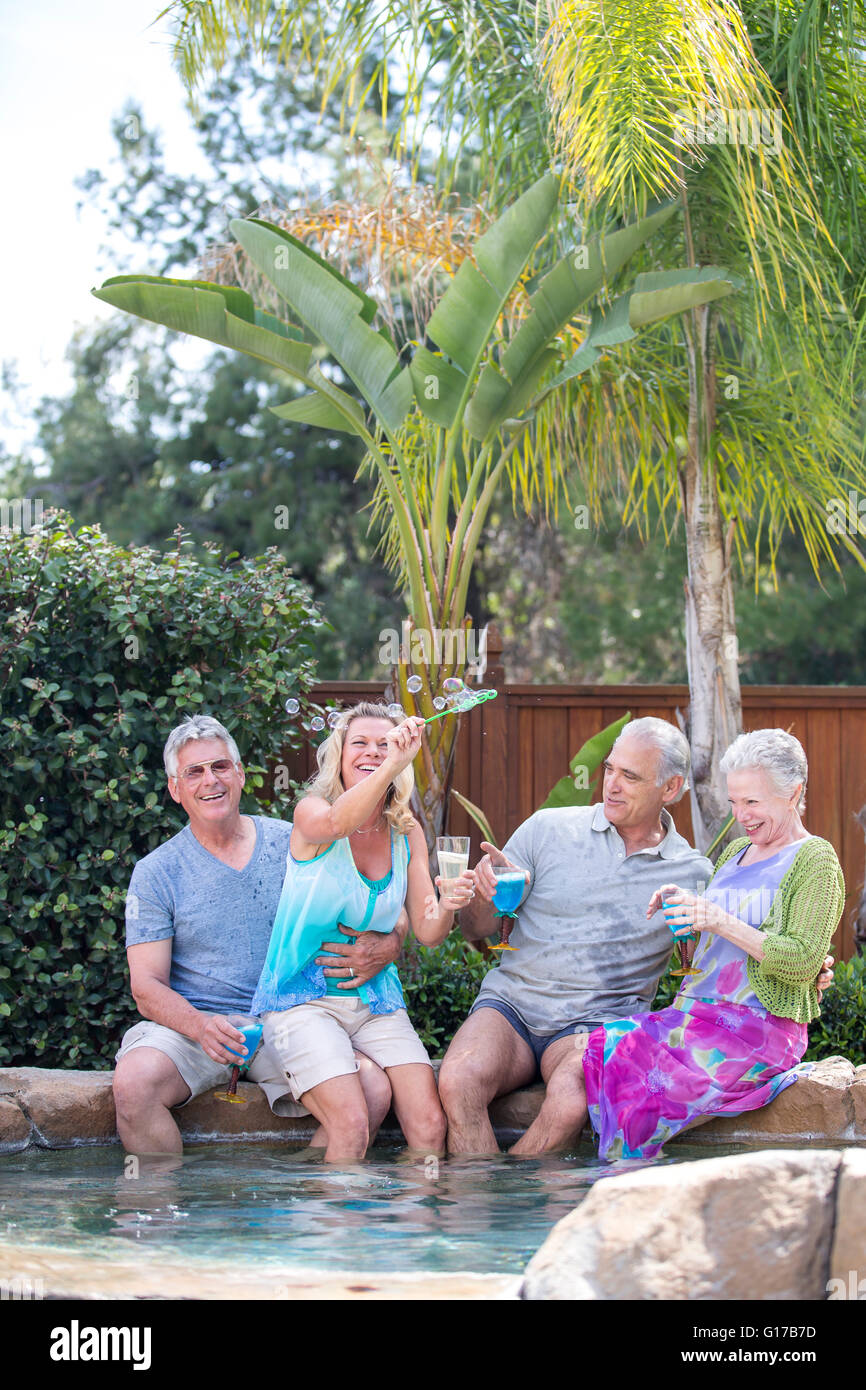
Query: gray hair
x=674, y=755
x=195, y=726
x=776, y=753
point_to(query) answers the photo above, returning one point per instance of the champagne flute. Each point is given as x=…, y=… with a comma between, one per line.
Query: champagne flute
x=510, y=883
x=252, y=1031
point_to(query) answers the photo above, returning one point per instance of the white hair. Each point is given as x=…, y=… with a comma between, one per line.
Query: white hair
x=195, y=726
x=776, y=753
x=673, y=747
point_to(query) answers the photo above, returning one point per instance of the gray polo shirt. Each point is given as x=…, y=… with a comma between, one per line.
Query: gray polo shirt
x=586, y=952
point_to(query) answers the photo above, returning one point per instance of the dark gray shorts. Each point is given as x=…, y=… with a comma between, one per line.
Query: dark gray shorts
x=538, y=1042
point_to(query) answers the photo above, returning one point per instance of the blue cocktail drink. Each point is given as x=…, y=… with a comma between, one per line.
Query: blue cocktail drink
x=510, y=884
x=672, y=912
x=252, y=1037
x=251, y=1028
x=509, y=891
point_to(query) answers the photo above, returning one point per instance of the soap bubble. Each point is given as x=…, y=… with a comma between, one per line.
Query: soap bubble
x=414, y=684
x=395, y=711
x=439, y=703
x=334, y=718
x=292, y=706
x=452, y=683
x=317, y=723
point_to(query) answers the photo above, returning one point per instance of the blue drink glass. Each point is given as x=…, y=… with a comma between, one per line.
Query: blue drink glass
x=671, y=910
x=252, y=1032
x=510, y=884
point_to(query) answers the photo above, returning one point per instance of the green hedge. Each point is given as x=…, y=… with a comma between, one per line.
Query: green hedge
x=102, y=651
x=440, y=986
x=841, y=1029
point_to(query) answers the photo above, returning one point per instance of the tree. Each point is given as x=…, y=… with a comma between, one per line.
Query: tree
x=631, y=86
x=443, y=429
x=140, y=445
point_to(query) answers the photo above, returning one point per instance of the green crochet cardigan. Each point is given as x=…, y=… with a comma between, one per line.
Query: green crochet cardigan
x=803, y=916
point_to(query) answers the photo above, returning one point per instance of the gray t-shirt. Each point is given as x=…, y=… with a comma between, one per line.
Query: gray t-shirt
x=220, y=918
x=586, y=951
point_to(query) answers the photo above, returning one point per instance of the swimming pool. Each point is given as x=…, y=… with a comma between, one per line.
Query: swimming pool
x=264, y=1209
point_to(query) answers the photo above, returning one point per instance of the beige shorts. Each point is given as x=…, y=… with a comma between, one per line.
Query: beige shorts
x=201, y=1073
x=318, y=1040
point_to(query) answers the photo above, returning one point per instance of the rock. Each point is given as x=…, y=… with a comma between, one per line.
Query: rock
x=817, y=1106
x=70, y=1107
x=208, y=1118
x=64, y=1107
x=517, y=1110
x=14, y=1127
x=752, y=1226
x=857, y=1093
x=848, y=1257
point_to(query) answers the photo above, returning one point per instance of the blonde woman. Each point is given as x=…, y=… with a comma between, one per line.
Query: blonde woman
x=358, y=859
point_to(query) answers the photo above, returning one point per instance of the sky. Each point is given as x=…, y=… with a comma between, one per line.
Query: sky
x=65, y=70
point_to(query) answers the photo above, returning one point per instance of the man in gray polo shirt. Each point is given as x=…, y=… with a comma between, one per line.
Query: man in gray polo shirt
x=586, y=953
x=199, y=913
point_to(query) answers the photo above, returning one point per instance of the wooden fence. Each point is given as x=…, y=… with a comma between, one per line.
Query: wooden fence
x=513, y=749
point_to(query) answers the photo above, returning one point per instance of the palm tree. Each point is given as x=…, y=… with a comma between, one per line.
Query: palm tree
x=442, y=431
x=733, y=418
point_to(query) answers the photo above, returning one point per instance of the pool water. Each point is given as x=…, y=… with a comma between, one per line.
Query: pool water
x=269, y=1205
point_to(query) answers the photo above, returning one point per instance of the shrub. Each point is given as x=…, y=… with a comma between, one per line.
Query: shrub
x=102, y=651
x=841, y=1029
x=440, y=986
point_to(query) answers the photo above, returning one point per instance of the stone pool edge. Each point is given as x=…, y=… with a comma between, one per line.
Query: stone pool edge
x=56, y=1109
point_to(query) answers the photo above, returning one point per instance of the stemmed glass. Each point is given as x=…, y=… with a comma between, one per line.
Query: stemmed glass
x=672, y=910
x=510, y=884
x=252, y=1031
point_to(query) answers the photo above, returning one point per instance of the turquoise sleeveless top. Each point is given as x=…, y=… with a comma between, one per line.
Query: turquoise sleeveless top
x=332, y=985
x=317, y=894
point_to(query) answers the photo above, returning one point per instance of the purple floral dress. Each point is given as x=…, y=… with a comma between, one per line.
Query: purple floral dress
x=715, y=1051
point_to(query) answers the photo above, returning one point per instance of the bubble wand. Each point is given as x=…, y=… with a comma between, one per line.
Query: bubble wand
x=469, y=703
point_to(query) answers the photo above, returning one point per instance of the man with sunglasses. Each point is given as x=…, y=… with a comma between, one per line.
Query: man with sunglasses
x=199, y=913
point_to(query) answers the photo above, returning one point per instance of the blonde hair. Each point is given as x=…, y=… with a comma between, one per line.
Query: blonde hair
x=328, y=782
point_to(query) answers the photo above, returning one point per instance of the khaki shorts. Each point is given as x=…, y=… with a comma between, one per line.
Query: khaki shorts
x=201, y=1073
x=317, y=1041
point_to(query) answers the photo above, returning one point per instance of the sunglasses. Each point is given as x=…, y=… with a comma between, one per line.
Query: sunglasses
x=220, y=767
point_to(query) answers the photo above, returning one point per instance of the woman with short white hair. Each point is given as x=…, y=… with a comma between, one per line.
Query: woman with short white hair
x=737, y=1029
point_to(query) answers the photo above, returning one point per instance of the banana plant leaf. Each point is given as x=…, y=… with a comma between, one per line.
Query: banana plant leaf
x=649, y=302
x=463, y=321
x=717, y=841
x=587, y=760
x=219, y=314
x=336, y=313
x=477, y=815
